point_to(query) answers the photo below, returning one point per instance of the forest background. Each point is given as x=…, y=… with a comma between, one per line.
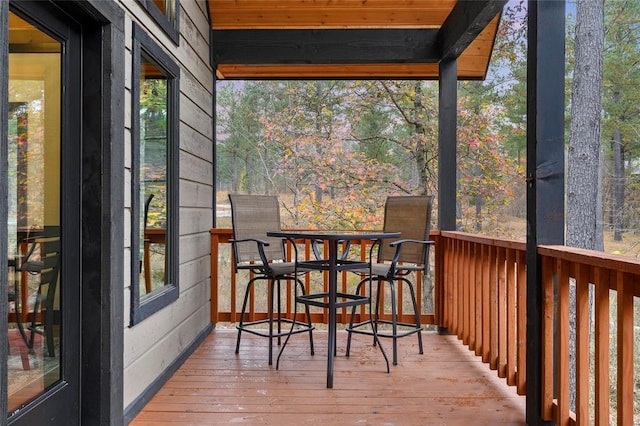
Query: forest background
x=333, y=150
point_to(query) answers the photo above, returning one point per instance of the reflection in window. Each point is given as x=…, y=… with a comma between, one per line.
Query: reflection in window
x=154, y=171
x=34, y=281
x=153, y=174
x=165, y=13
x=167, y=7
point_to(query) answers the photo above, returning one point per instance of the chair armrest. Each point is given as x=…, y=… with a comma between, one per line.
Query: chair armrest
x=32, y=266
x=260, y=244
x=265, y=265
x=398, y=245
x=407, y=240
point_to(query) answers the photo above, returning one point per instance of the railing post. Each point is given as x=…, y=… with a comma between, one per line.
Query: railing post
x=601, y=361
x=546, y=344
x=218, y=236
x=215, y=242
x=625, y=335
x=582, y=343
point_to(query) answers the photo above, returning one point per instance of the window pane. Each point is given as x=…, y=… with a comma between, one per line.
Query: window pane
x=167, y=7
x=154, y=178
x=153, y=174
x=33, y=212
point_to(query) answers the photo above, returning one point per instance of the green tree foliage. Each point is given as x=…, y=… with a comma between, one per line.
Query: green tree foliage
x=339, y=148
x=153, y=147
x=488, y=177
x=408, y=135
x=332, y=183
x=621, y=118
x=242, y=166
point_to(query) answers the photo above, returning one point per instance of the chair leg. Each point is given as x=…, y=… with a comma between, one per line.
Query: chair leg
x=375, y=311
x=308, y=314
x=353, y=313
x=279, y=316
x=244, y=307
x=376, y=314
x=275, y=286
x=294, y=322
x=417, y=316
x=272, y=284
x=24, y=357
x=374, y=323
x=275, y=316
x=48, y=327
x=373, y=318
x=394, y=318
x=394, y=321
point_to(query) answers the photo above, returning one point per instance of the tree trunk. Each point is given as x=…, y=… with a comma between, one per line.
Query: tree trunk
x=599, y=244
x=479, y=200
x=583, y=189
x=618, y=181
x=318, y=192
x=248, y=175
x=234, y=173
x=266, y=183
x=419, y=133
x=478, y=203
x=584, y=138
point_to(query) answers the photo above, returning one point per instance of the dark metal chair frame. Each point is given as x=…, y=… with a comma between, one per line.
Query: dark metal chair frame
x=396, y=261
x=265, y=258
x=40, y=318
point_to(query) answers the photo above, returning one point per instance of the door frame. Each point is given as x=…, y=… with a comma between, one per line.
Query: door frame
x=100, y=390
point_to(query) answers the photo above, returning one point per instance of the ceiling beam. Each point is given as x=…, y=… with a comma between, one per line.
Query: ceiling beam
x=330, y=46
x=467, y=19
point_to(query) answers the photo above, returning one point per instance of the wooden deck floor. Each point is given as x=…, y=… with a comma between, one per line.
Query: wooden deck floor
x=447, y=385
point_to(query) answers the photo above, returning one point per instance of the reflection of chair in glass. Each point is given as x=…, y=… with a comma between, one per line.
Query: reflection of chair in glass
x=41, y=261
x=24, y=356
x=147, y=246
x=264, y=257
x=396, y=261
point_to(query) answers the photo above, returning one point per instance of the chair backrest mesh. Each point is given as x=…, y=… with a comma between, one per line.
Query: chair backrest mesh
x=411, y=216
x=252, y=216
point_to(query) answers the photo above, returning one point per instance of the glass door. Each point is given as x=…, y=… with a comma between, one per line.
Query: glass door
x=43, y=282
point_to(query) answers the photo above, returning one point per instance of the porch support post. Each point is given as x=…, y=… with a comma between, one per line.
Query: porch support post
x=447, y=145
x=214, y=105
x=214, y=165
x=545, y=171
x=4, y=102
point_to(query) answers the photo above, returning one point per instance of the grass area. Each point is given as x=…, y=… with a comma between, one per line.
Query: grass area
x=515, y=228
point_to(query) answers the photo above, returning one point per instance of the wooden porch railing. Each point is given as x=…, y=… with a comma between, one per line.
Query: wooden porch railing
x=479, y=294
x=614, y=282
x=484, y=300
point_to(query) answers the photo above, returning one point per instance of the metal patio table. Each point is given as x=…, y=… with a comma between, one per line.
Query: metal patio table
x=333, y=263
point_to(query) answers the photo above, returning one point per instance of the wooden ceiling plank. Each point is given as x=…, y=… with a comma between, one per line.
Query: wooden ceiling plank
x=324, y=46
x=311, y=4
x=467, y=70
x=329, y=19
x=480, y=46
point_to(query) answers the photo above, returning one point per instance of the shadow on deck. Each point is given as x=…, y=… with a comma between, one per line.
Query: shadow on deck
x=447, y=385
